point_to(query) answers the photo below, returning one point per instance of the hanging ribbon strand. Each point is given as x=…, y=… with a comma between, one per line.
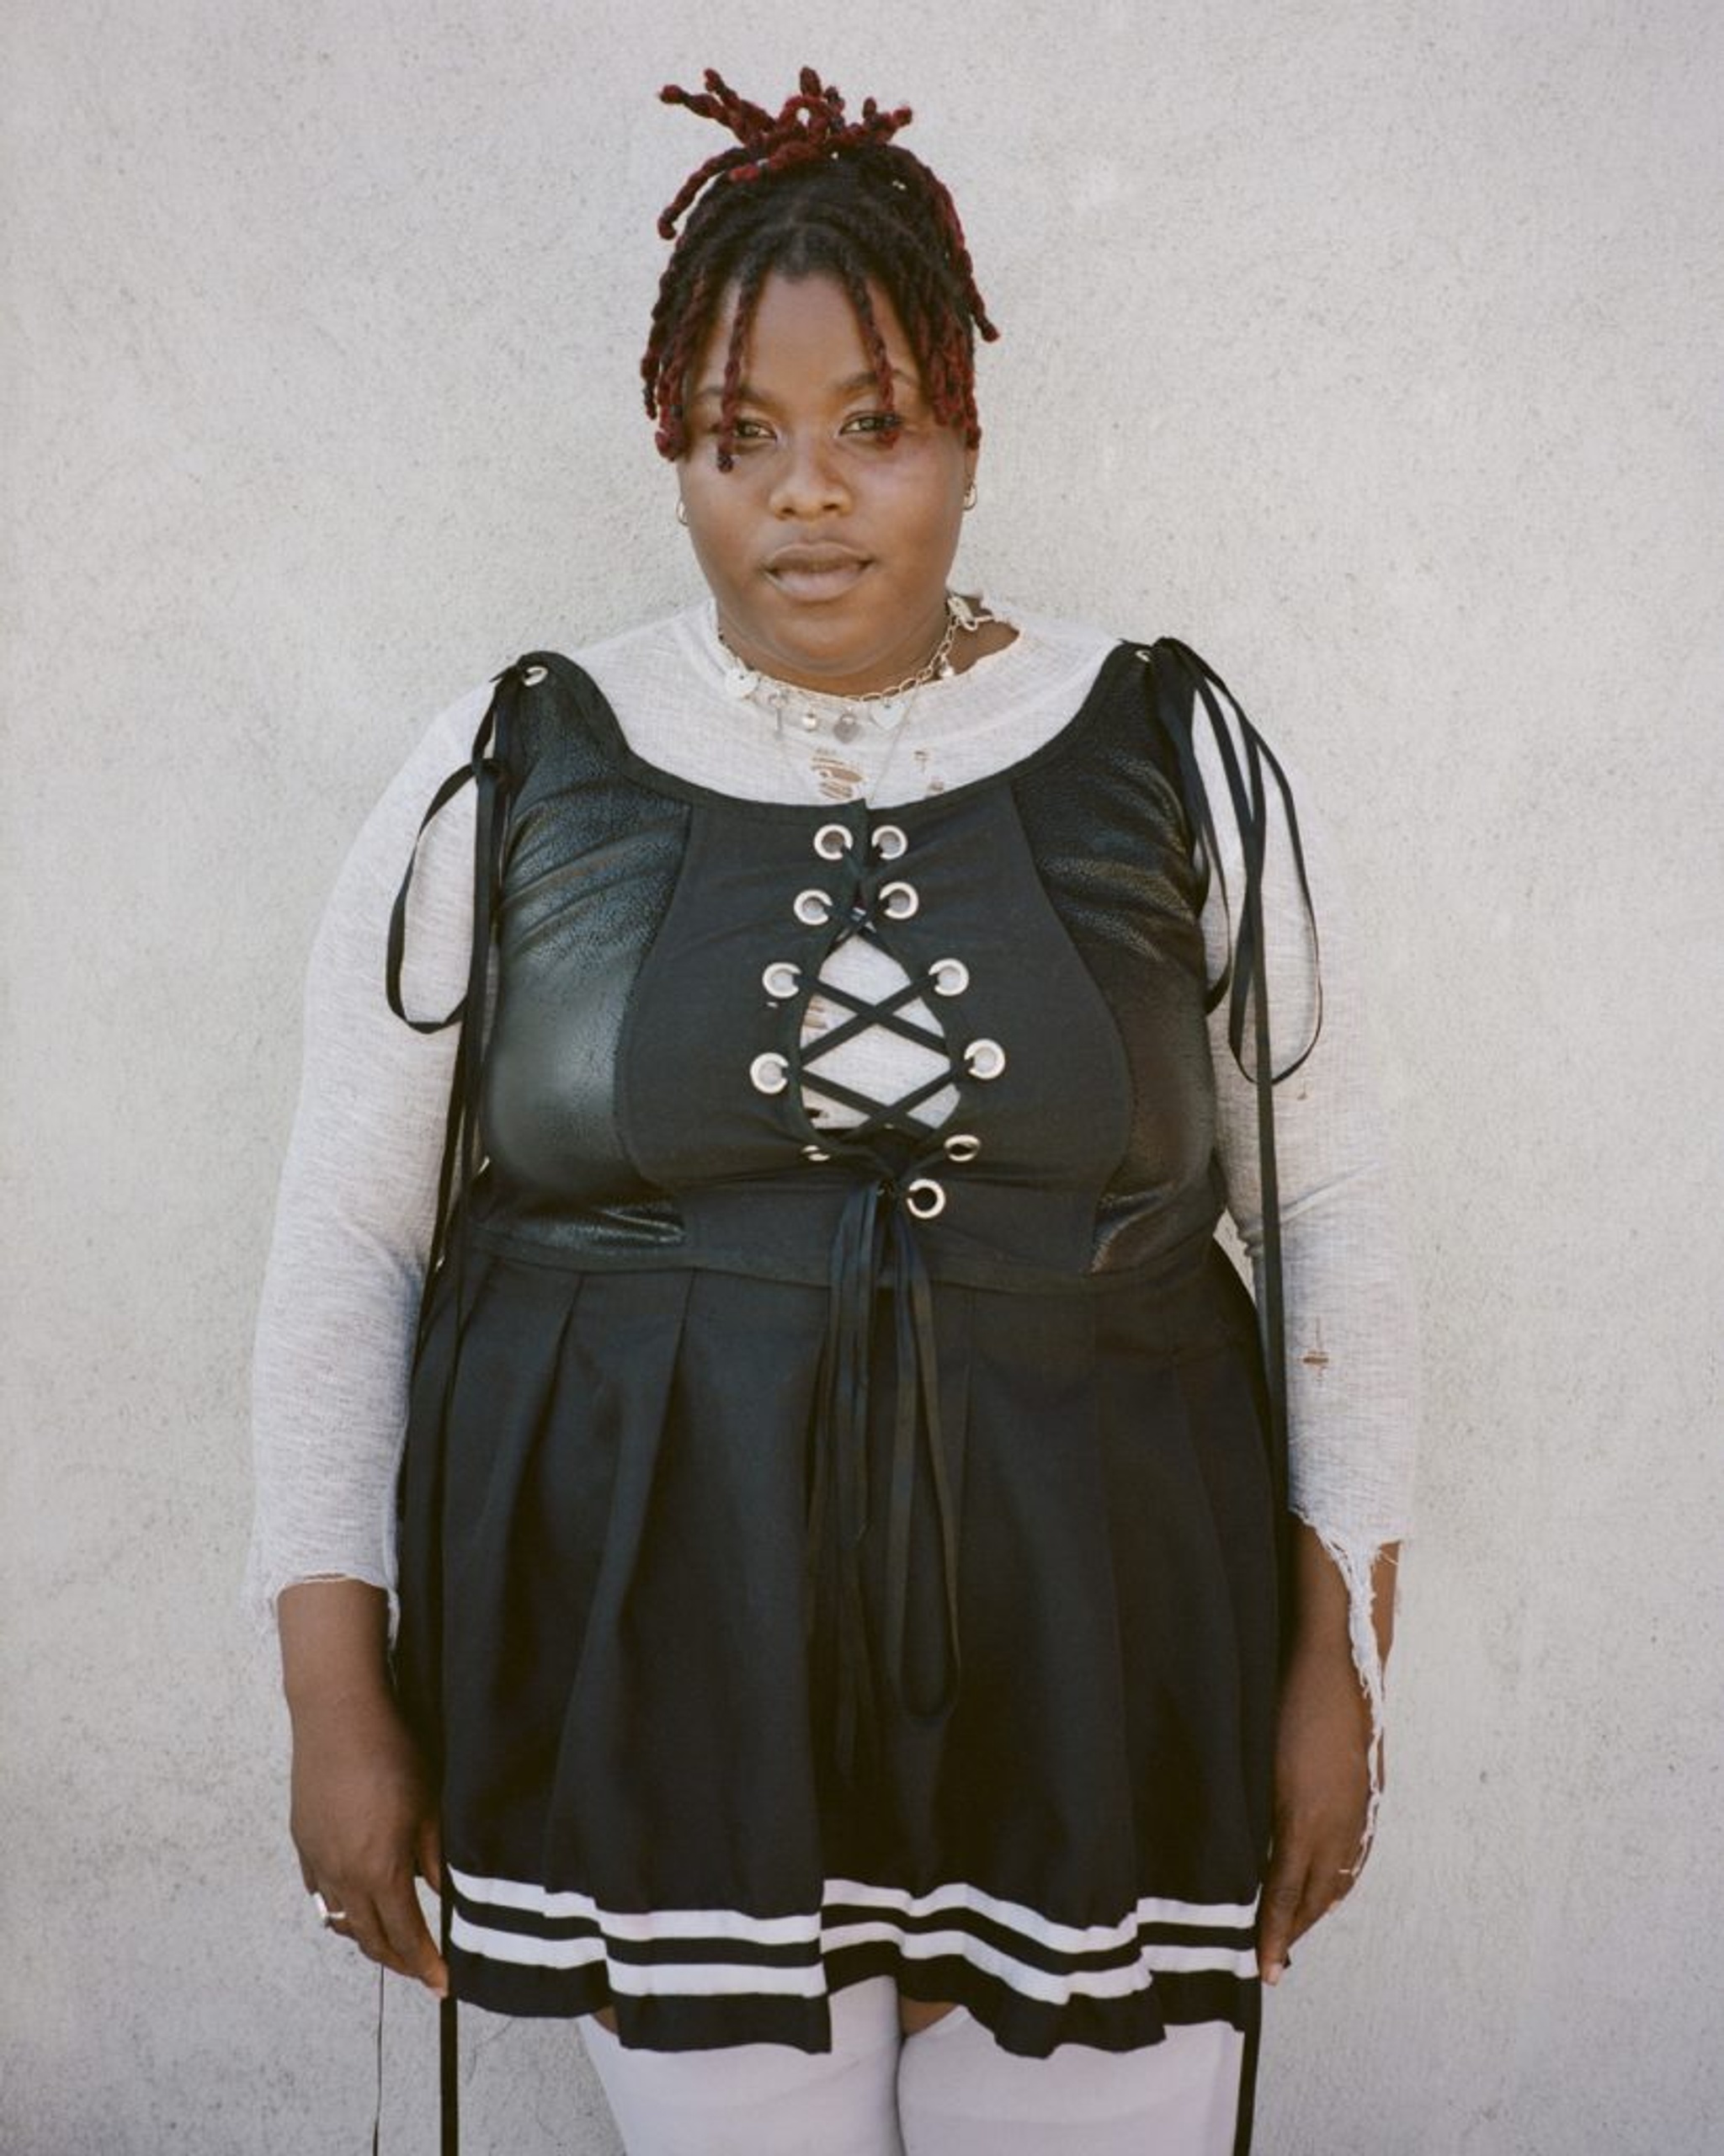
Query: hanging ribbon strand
x=1181, y=684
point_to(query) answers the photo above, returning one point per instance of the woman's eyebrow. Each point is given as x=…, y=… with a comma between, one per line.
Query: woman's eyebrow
x=746, y=393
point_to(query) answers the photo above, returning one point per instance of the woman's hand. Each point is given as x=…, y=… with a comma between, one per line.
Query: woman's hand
x=1322, y=1757
x=362, y=1819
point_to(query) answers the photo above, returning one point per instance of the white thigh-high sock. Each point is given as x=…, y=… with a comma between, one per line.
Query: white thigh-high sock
x=763, y=2100
x=960, y=2094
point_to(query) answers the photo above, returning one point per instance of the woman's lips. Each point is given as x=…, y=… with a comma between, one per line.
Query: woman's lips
x=816, y=572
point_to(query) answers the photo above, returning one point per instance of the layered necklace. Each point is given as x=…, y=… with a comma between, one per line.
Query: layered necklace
x=814, y=711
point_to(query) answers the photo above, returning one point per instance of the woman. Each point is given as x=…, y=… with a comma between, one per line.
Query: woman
x=842, y=1659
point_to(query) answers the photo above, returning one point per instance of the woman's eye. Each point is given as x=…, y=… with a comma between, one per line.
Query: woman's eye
x=879, y=423
x=747, y=430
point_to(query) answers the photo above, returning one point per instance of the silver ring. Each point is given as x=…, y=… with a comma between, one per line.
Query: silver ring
x=325, y=1915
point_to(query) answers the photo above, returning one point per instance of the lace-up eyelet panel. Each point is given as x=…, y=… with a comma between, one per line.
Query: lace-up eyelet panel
x=822, y=1006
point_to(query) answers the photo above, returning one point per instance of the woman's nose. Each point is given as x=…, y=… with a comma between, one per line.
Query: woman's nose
x=810, y=480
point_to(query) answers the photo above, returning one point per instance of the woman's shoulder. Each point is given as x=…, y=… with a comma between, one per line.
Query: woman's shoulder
x=666, y=636
x=1057, y=634
x=445, y=744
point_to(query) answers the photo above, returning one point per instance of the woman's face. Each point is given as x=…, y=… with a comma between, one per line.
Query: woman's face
x=828, y=543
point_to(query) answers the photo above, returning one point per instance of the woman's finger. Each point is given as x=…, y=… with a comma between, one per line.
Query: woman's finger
x=352, y=1912
x=1307, y=1880
x=1283, y=1891
x=409, y=1936
x=352, y=1915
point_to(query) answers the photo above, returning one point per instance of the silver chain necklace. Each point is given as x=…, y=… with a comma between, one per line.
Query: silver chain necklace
x=811, y=710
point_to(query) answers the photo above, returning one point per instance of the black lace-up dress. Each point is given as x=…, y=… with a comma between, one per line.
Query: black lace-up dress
x=837, y=1552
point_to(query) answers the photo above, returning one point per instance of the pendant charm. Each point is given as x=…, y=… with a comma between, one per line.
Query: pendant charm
x=889, y=712
x=844, y=725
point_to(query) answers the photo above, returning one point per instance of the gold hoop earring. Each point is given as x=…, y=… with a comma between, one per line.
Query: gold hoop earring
x=682, y=513
x=970, y=497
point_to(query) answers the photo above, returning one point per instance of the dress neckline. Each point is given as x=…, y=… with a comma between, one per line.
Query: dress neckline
x=654, y=778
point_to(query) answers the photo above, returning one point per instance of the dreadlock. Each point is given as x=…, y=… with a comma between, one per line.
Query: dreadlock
x=806, y=191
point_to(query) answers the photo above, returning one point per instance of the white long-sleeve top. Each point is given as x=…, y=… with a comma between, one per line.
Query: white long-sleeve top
x=354, y=1222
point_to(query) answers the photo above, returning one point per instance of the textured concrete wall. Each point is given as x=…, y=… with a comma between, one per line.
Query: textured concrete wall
x=1375, y=348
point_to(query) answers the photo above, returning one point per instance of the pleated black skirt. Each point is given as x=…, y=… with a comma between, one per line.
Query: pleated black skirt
x=614, y=1647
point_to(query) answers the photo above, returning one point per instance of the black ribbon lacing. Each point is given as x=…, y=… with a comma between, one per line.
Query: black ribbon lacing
x=875, y=1252
x=488, y=771
x=1182, y=682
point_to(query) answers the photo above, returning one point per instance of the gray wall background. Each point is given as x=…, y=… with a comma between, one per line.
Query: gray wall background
x=1374, y=348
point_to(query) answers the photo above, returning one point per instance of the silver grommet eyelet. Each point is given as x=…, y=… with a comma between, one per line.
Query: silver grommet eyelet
x=950, y=977
x=924, y=1198
x=781, y=980
x=984, y=1059
x=899, y=901
x=813, y=906
x=889, y=842
x=962, y=1146
x=532, y=676
x=832, y=841
x=814, y=1153
x=770, y=1072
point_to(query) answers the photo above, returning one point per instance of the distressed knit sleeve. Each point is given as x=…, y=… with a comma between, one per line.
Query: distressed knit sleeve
x=1351, y=1326
x=353, y=1221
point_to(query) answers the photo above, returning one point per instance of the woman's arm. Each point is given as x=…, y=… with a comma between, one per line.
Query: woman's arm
x=362, y=1818
x=1352, y=1376
x=1324, y=1743
x=333, y=1353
